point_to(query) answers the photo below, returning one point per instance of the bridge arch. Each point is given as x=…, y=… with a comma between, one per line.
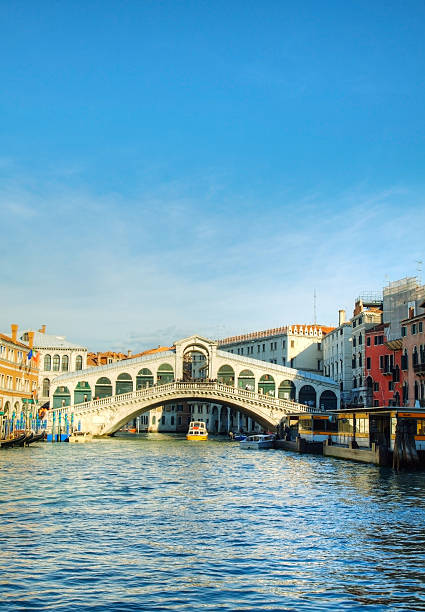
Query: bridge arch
x=144, y=378
x=61, y=397
x=307, y=395
x=124, y=384
x=246, y=380
x=103, y=387
x=226, y=375
x=82, y=392
x=287, y=390
x=165, y=374
x=267, y=385
x=328, y=400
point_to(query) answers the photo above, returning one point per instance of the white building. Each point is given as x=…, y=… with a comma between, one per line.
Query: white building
x=337, y=356
x=294, y=346
x=57, y=356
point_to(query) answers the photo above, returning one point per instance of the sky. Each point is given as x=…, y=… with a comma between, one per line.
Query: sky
x=172, y=168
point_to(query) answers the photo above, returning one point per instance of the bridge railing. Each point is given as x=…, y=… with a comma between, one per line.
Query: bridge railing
x=161, y=392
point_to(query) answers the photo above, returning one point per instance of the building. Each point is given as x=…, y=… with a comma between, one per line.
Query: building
x=382, y=368
x=367, y=314
x=57, y=356
x=294, y=346
x=413, y=356
x=398, y=297
x=337, y=356
x=18, y=374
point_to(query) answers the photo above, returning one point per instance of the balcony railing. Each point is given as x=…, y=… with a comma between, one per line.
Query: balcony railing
x=419, y=368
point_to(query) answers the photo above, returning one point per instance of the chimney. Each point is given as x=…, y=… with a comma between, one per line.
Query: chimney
x=42, y=329
x=99, y=358
x=129, y=353
x=14, y=331
x=341, y=317
x=31, y=339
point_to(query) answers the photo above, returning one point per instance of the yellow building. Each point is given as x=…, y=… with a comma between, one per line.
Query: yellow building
x=18, y=373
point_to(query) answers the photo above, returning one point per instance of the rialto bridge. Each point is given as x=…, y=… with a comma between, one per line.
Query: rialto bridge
x=103, y=399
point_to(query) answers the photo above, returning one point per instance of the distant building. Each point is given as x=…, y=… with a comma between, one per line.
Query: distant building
x=18, y=374
x=337, y=356
x=382, y=368
x=57, y=356
x=294, y=346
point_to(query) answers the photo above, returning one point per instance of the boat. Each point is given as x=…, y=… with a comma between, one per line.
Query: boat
x=258, y=441
x=239, y=437
x=15, y=441
x=79, y=437
x=197, y=431
x=36, y=438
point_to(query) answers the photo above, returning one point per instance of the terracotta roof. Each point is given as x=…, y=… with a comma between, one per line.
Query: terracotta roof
x=160, y=349
x=17, y=342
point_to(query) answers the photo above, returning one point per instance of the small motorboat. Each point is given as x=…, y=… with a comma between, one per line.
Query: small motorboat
x=239, y=437
x=197, y=431
x=258, y=441
x=79, y=437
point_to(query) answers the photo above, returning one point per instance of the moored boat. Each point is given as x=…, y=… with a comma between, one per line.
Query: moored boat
x=15, y=441
x=197, y=431
x=79, y=437
x=258, y=441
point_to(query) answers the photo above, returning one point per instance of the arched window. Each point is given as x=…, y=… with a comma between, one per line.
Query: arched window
x=124, y=384
x=47, y=363
x=78, y=362
x=65, y=363
x=46, y=387
x=165, y=374
x=226, y=375
x=266, y=385
x=56, y=363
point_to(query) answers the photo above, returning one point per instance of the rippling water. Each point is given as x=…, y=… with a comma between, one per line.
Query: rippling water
x=159, y=523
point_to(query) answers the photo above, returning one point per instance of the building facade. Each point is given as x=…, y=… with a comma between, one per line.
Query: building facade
x=293, y=346
x=413, y=356
x=57, y=356
x=337, y=356
x=382, y=368
x=18, y=374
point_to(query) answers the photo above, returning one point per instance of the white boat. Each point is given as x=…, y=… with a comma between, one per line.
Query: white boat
x=197, y=431
x=78, y=437
x=258, y=441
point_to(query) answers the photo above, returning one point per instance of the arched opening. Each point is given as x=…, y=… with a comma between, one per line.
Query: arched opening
x=196, y=362
x=56, y=363
x=286, y=390
x=82, y=392
x=78, y=362
x=246, y=380
x=307, y=396
x=328, y=401
x=46, y=387
x=226, y=375
x=7, y=414
x=103, y=388
x=144, y=379
x=61, y=397
x=266, y=385
x=165, y=374
x=47, y=363
x=124, y=384
x=65, y=363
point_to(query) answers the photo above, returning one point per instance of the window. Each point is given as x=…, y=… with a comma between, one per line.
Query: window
x=163, y=419
x=78, y=362
x=403, y=330
x=368, y=363
x=360, y=320
x=354, y=341
x=368, y=341
x=376, y=386
x=381, y=362
x=46, y=387
x=47, y=362
x=65, y=363
x=172, y=420
x=258, y=348
x=413, y=329
x=360, y=339
x=420, y=327
x=292, y=343
x=56, y=363
x=264, y=347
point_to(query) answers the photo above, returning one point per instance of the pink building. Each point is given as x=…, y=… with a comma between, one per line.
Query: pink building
x=413, y=357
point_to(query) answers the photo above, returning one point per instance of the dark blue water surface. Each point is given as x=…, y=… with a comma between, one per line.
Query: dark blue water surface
x=159, y=523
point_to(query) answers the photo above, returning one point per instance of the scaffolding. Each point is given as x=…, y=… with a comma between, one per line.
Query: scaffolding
x=399, y=296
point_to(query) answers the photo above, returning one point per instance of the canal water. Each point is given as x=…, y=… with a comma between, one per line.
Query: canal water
x=159, y=523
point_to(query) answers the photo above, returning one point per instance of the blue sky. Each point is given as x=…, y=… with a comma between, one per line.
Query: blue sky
x=169, y=168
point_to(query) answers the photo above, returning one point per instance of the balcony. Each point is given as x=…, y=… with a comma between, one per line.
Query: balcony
x=419, y=369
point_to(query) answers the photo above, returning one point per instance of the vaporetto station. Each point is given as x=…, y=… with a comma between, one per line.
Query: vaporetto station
x=100, y=400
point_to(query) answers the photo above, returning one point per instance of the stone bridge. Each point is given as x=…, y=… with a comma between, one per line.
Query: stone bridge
x=102, y=399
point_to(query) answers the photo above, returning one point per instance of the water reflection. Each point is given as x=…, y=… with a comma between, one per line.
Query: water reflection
x=159, y=523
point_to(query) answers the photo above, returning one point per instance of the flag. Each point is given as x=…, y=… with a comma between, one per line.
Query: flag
x=36, y=358
x=29, y=356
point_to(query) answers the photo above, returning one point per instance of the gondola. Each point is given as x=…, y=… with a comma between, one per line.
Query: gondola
x=29, y=439
x=13, y=441
x=36, y=438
